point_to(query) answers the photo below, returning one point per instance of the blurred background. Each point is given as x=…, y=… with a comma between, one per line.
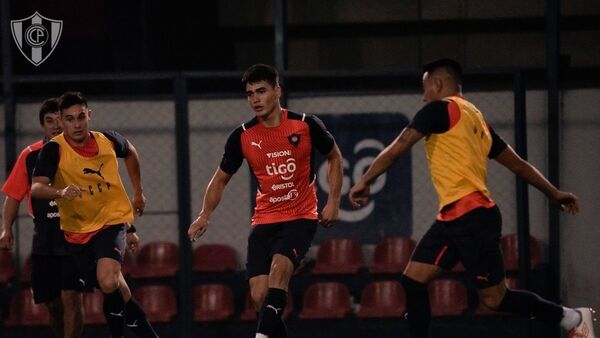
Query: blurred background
x=167, y=76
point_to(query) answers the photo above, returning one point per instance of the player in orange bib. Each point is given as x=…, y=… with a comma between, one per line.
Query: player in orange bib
x=458, y=143
x=278, y=145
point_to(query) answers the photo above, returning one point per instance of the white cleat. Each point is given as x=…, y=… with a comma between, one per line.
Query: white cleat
x=585, y=329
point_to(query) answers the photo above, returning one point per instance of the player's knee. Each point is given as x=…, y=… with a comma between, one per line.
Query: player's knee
x=281, y=267
x=55, y=308
x=72, y=303
x=491, y=301
x=108, y=282
x=258, y=298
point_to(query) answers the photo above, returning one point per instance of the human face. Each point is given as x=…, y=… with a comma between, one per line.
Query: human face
x=263, y=98
x=51, y=124
x=75, y=123
x=431, y=88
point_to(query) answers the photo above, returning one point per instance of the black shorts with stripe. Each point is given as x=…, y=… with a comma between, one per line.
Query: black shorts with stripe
x=50, y=274
x=291, y=239
x=473, y=239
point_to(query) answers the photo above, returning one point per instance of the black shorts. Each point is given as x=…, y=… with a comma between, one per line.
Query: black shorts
x=473, y=239
x=50, y=274
x=108, y=243
x=291, y=239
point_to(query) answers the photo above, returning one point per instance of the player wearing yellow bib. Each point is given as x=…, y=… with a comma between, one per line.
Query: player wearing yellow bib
x=458, y=143
x=79, y=170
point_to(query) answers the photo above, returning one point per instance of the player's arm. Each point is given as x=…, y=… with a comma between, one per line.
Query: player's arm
x=10, y=210
x=330, y=213
x=15, y=188
x=124, y=149
x=45, y=169
x=526, y=171
x=212, y=197
x=360, y=191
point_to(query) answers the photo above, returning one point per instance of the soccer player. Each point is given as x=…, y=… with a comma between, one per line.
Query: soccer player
x=458, y=143
x=79, y=170
x=54, y=279
x=278, y=145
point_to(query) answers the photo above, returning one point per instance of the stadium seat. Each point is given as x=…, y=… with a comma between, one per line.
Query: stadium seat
x=214, y=258
x=25, y=277
x=156, y=259
x=249, y=313
x=325, y=300
x=382, y=299
x=339, y=256
x=158, y=301
x=448, y=297
x=510, y=252
x=31, y=314
x=92, y=305
x=8, y=267
x=213, y=302
x=392, y=254
x=128, y=263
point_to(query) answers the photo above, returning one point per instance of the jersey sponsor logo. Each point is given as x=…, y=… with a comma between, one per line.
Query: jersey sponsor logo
x=254, y=144
x=291, y=195
x=51, y=215
x=279, y=153
x=52, y=203
x=92, y=171
x=281, y=186
x=285, y=170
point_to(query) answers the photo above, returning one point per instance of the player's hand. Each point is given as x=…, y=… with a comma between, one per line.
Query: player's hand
x=132, y=242
x=359, y=194
x=329, y=214
x=6, y=240
x=71, y=192
x=568, y=202
x=198, y=228
x=139, y=203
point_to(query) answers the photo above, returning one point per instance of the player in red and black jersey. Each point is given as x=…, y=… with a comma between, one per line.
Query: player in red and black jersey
x=279, y=146
x=55, y=281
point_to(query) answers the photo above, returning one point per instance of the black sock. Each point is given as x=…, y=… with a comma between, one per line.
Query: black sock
x=136, y=321
x=531, y=305
x=114, y=310
x=270, y=321
x=418, y=310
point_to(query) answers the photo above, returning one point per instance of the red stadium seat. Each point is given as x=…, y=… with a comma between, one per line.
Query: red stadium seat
x=26, y=272
x=448, y=297
x=8, y=267
x=510, y=252
x=214, y=258
x=392, y=254
x=339, y=256
x=326, y=300
x=30, y=314
x=92, y=305
x=382, y=299
x=158, y=301
x=249, y=312
x=156, y=259
x=213, y=302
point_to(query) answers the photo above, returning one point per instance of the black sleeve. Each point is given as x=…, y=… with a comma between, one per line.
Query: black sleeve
x=321, y=138
x=498, y=144
x=47, y=161
x=432, y=119
x=233, y=156
x=119, y=142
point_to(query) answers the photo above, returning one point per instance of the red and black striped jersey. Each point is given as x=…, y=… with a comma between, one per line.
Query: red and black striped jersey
x=282, y=161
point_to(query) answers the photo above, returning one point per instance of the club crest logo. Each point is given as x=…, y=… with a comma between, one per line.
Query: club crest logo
x=36, y=36
x=294, y=139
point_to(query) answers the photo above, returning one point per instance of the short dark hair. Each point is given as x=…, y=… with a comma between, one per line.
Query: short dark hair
x=49, y=106
x=451, y=66
x=69, y=99
x=261, y=72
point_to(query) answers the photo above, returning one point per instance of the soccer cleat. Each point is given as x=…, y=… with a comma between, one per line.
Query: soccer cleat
x=585, y=329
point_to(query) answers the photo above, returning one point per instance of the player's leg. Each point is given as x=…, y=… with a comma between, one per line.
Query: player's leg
x=293, y=241
x=108, y=247
x=45, y=284
x=432, y=255
x=135, y=317
x=72, y=284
